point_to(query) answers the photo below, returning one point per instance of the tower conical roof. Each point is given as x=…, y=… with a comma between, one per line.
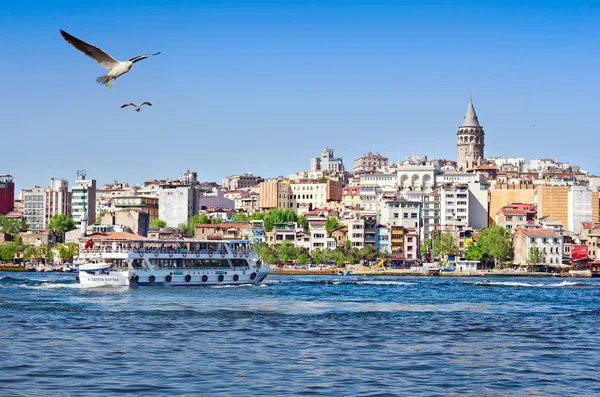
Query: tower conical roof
x=471, y=117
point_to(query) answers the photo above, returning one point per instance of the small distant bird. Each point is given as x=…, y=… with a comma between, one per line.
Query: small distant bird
x=116, y=68
x=137, y=108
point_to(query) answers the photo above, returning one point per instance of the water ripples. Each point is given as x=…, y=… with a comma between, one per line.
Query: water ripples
x=321, y=336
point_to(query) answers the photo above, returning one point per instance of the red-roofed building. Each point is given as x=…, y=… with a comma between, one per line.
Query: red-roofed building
x=224, y=231
x=514, y=215
x=548, y=241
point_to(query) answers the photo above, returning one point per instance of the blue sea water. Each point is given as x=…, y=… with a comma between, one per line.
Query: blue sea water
x=300, y=335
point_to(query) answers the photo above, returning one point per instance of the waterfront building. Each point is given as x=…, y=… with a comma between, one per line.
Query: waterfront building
x=134, y=219
x=84, y=200
x=147, y=204
x=282, y=231
x=547, y=240
x=470, y=140
x=370, y=227
x=327, y=162
x=7, y=194
x=318, y=233
x=383, y=236
x=235, y=182
x=38, y=238
x=397, y=242
x=40, y=204
x=400, y=212
x=340, y=235
x=454, y=205
x=258, y=231
x=356, y=232
x=302, y=239
x=582, y=206
x=431, y=213
x=165, y=233
x=224, y=231
x=411, y=244
x=369, y=163
x=478, y=195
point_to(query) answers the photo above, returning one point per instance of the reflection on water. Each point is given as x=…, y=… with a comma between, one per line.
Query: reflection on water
x=329, y=335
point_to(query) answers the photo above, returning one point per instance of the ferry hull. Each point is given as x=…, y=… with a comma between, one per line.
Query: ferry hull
x=187, y=279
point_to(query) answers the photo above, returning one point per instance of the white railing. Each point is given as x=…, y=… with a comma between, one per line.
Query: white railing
x=165, y=251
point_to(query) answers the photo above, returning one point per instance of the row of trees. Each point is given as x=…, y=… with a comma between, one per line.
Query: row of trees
x=286, y=251
x=17, y=249
x=494, y=245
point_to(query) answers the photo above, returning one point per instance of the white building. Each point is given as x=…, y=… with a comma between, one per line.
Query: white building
x=399, y=212
x=417, y=177
x=327, y=162
x=581, y=200
x=177, y=204
x=84, y=200
x=373, y=187
x=235, y=182
x=548, y=241
x=356, y=232
x=454, y=205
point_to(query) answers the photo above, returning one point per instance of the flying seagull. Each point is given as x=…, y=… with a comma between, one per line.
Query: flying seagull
x=116, y=68
x=137, y=108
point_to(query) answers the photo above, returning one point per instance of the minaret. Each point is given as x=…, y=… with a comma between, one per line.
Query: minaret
x=470, y=139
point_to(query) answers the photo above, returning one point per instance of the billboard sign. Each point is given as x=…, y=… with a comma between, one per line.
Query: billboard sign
x=579, y=251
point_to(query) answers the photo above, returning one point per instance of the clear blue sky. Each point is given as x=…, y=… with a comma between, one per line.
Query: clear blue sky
x=262, y=86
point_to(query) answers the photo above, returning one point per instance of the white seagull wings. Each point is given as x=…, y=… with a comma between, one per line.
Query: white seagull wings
x=115, y=67
x=91, y=51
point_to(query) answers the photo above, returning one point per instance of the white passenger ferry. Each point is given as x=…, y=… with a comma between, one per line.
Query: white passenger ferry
x=143, y=262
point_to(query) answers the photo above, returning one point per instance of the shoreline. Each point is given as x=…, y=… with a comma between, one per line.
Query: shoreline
x=406, y=273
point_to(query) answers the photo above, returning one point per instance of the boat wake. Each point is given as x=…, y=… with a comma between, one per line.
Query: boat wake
x=340, y=281
x=532, y=285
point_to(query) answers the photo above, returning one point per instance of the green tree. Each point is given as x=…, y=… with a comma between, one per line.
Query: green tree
x=65, y=252
x=347, y=247
x=319, y=256
x=368, y=252
x=536, y=256
x=443, y=246
x=158, y=223
x=474, y=252
x=8, y=251
x=198, y=219
x=286, y=251
x=265, y=253
x=240, y=217
x=216, y=221
x=495, y=241
x=278, y=215
x=61, y=224
x=304, y=223
x=331, y=224
x=302, y=259
x=12, y=226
